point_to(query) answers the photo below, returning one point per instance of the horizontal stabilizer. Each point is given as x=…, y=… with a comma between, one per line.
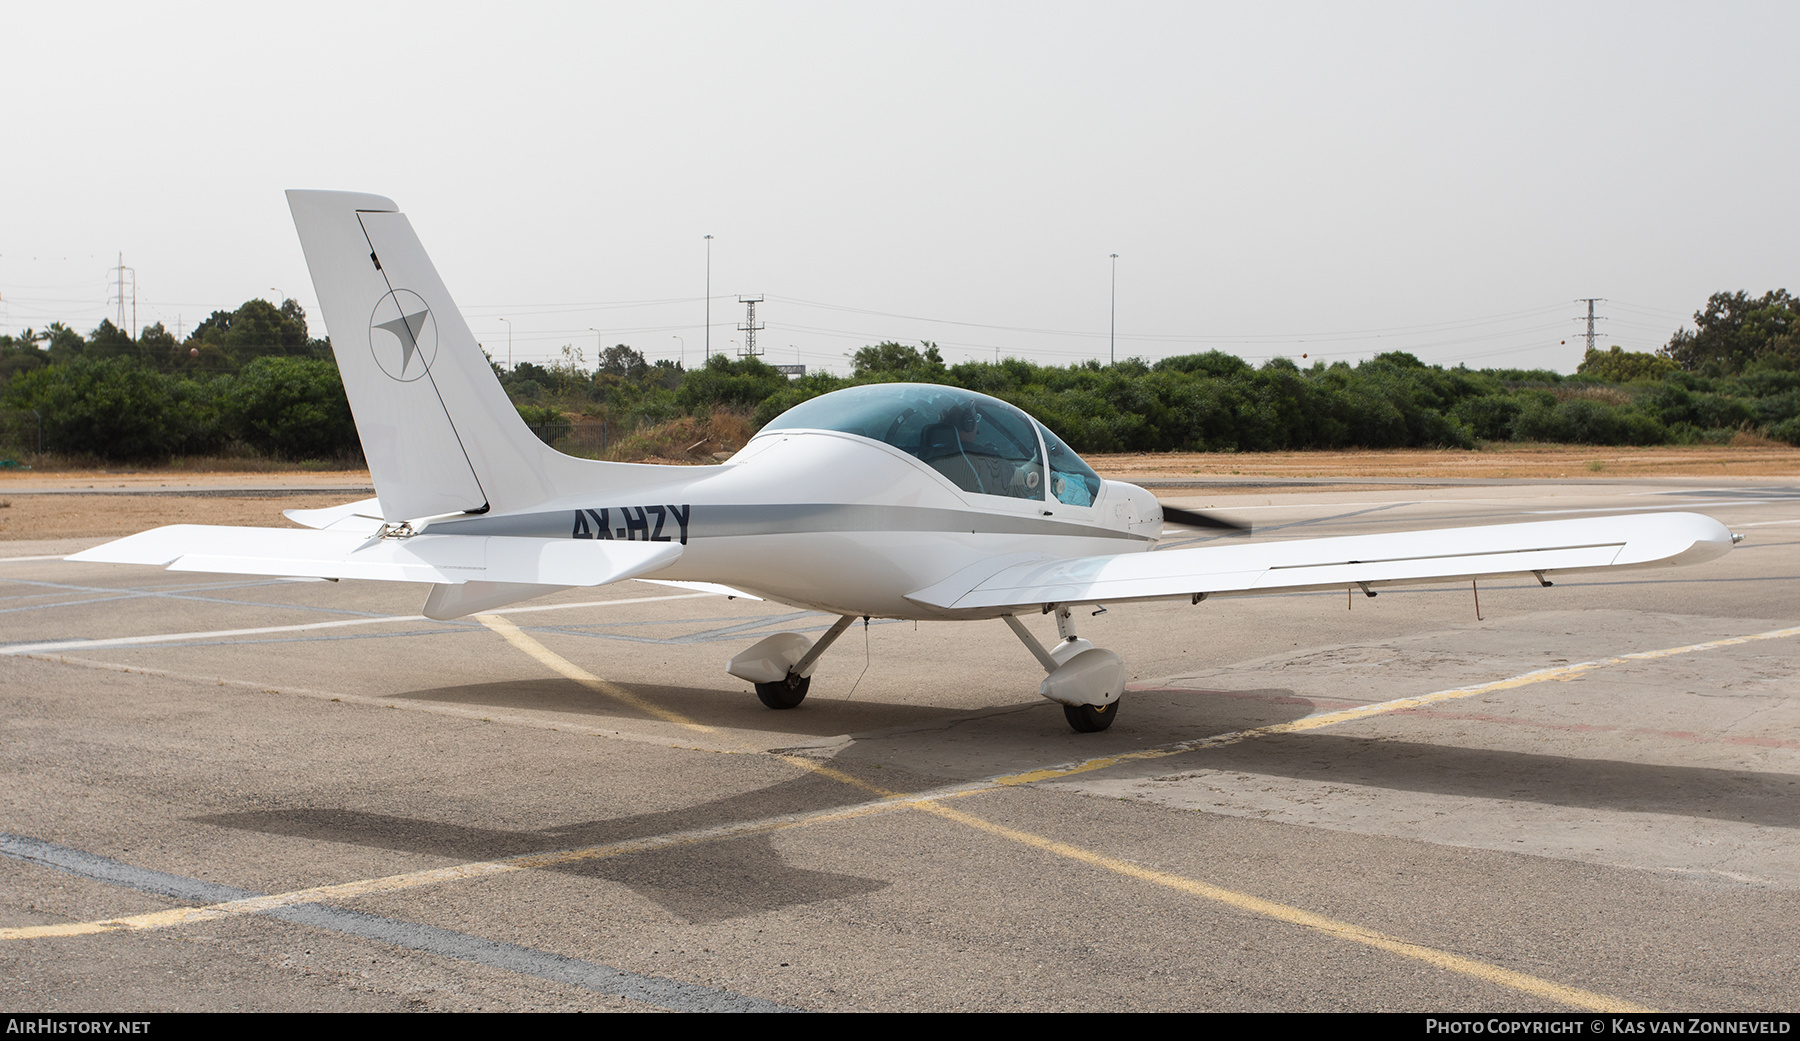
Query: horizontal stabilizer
x=363, y=515
x=1639, y=540
x=440, y=559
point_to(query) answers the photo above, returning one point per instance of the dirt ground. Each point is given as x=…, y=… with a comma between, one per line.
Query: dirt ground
x=1511, y=461
x=51, y=505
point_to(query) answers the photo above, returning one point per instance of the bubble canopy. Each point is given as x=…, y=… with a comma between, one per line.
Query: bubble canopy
x=981, y=444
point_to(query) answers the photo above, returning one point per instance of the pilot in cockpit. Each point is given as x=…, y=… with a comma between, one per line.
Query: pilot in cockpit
x=993, y=473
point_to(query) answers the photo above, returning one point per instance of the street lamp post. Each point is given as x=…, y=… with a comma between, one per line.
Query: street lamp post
x=709, y=296
x=509, y=365
x=683, y=363
x=1112, y=325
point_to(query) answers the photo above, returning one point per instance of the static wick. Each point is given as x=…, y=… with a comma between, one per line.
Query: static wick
x=1477, y=592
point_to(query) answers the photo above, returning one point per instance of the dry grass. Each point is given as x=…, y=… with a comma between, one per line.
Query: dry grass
x=685, y=440
x=115, y=516
x=1751, y=439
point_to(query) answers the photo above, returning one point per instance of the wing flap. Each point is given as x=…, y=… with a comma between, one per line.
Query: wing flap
x=438, y=559
x=1639, y=540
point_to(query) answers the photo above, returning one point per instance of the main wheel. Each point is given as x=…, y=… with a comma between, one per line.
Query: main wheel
x=1088, y=719
x=787, y=693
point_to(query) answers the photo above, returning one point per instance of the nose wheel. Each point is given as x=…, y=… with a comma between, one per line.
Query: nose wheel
x=1090, y=719
x=785, y=655
x=790, y=692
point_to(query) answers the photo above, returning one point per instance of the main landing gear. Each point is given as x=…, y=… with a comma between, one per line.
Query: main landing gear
x=1084, y=679
x=781, y=666
x=1090, y=719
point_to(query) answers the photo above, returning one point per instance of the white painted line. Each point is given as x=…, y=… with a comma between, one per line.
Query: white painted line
x=1675, y=507
x=600, y=603
x=220, y=634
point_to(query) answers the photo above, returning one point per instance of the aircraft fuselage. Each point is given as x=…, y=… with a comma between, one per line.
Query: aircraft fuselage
x=834, y=522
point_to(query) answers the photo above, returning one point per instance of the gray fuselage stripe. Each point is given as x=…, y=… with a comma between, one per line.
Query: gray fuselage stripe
x=736, y=520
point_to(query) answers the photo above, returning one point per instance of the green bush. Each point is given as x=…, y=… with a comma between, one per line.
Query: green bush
x=116, y=408
x=549, y=424
x=289, y=408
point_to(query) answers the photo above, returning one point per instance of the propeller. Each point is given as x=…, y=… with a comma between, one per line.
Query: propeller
x=1191, y=519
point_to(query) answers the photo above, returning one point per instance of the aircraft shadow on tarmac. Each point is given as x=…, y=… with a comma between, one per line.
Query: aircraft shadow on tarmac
x=711, y=881
x=1156, y=715
x=717, y=880
x=820, y=716
x=702, y=882
x=1610, y=785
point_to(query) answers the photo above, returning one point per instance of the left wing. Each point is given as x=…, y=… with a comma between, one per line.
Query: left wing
x=469, y=572
x=1543, y=547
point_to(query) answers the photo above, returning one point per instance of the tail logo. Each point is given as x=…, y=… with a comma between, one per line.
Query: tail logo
x=403, y=335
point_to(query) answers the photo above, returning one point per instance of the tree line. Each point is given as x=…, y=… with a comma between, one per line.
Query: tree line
x=254, y=381
x=247, y=381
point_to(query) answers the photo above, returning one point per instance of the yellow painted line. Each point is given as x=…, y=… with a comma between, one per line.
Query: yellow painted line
x=1326, y=719
x=558, y=723
x=252, y=905
x=1493, y=974
x=485, y=869
x=559, y=664
x=933, y=802
x=930, y=802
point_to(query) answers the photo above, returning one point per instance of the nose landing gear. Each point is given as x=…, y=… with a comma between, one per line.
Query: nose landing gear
x=781, y=666
x=787, y=692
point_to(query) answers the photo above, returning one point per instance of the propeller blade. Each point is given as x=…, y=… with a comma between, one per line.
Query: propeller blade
x=1191, y=519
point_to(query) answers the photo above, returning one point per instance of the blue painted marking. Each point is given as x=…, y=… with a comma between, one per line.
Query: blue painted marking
x=677, y=995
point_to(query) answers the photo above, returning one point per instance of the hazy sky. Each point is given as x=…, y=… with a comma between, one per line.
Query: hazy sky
x=1328, y=179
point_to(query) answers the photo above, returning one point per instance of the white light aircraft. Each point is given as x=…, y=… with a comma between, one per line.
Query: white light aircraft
x=887, y=501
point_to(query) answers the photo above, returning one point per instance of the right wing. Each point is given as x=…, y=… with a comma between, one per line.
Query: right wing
x=1542, y=547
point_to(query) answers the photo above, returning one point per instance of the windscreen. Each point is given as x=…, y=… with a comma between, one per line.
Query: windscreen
x=981, y=444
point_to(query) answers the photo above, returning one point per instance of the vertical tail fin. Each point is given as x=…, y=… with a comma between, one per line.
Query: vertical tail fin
x=439, y=434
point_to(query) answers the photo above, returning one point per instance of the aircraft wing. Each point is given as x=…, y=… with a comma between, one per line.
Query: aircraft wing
x=441, y=559
x=1640, y=540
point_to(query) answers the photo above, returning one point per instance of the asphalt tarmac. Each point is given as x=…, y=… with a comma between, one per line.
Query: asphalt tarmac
x=233, y=793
